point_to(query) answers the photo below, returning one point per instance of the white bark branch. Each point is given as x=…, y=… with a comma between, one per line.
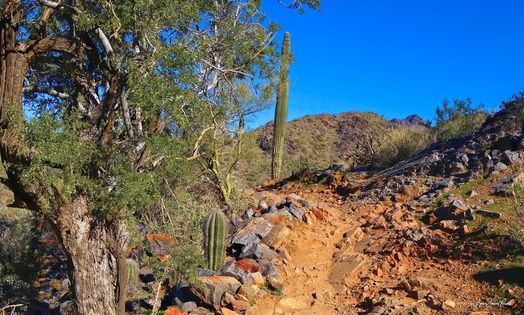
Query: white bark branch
x=126, y=114
x=49, y=91
x=105, y=41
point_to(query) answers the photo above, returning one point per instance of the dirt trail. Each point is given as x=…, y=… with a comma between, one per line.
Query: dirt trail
x=354, y=261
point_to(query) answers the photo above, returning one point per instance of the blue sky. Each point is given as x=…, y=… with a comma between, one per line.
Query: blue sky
x=401, y=57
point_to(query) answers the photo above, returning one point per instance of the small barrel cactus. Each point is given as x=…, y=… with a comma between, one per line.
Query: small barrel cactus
x=215, y=230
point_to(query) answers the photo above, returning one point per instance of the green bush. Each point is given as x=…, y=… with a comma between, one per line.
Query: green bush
x=458, y=120
x=399, y=144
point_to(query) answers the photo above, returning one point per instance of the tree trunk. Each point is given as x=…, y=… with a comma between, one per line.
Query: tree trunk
x=97, y=264
x=95, y=249
x=13, y=67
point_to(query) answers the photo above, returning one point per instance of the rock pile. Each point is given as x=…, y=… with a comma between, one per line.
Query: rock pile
x=256, y=244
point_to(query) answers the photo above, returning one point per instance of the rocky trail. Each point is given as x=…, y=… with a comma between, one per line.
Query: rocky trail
x=348, y=262
x=440, y=233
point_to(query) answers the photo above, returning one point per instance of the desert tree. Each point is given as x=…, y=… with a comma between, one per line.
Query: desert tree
x=88, y=121
x=231, y=87
x=101, y=103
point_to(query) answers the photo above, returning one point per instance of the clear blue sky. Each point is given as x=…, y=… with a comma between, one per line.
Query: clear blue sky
x=401, y=57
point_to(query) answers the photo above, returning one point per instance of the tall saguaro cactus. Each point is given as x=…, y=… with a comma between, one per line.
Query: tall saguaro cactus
x=281, y=109
x=215, y=231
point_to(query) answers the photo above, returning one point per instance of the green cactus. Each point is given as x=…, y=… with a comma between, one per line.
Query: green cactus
x=215, y=230
x=132, y=271
x=281, y=109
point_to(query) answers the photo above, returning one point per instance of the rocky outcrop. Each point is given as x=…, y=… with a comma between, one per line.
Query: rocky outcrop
x=412, y=121
x=256, y=245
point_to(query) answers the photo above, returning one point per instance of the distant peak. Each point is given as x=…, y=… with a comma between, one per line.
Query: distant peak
x=411, y=121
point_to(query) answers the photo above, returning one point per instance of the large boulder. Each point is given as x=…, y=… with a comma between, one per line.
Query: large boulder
x=212, y=289
x=277, y=235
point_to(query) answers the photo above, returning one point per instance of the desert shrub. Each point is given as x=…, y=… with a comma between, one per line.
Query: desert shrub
x=180, y=215
x=518, y=206
x=458, y=119
x=398, y=144
x=365, y=151
x=19, y=263
x=389, y=147
x=516, y=105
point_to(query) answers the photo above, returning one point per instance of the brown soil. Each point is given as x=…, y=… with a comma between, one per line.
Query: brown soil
x=348, y=262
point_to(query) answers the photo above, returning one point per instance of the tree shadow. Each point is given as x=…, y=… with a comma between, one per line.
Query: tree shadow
x=513, y=275
x=481, y=245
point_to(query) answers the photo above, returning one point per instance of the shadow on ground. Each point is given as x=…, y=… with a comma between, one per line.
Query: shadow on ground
x=513, y=275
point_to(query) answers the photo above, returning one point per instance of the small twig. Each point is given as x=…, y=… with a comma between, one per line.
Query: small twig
x=12, y=307
x=157, y=296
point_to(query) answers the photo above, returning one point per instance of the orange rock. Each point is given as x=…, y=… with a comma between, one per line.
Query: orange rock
x=432, y=219
x=277, y=235
x=161, y=237
x=173, y=310
x=410, y=191
x=227, y=311
x=248, y=264
x=400, y=198
x=319, y=214
x=274, y=218
x=240, y=305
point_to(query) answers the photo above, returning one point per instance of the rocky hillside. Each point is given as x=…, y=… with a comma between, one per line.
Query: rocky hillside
x=439, y=233
x=321, y=140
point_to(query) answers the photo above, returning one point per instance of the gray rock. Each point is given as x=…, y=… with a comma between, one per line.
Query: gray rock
x=459, y=204
x=250, y=213
x=501, y=187
x=188, y=306
x=303, y=202
x=295, y=211
x=231, y=270
x=246, y=240
x=260, y=251
x=452, y=211
x=443, y=183
x=273, y=277
x=500, y=167
x=264, y=252
x=206, y=272
x=262, y=204
x=489, y=213
x=510, y=157
x=213, y=288
x=458, y=167
x=424, y=199
x=252, y=232
x=67, y=307
x=489, y=164
x=464, y=158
